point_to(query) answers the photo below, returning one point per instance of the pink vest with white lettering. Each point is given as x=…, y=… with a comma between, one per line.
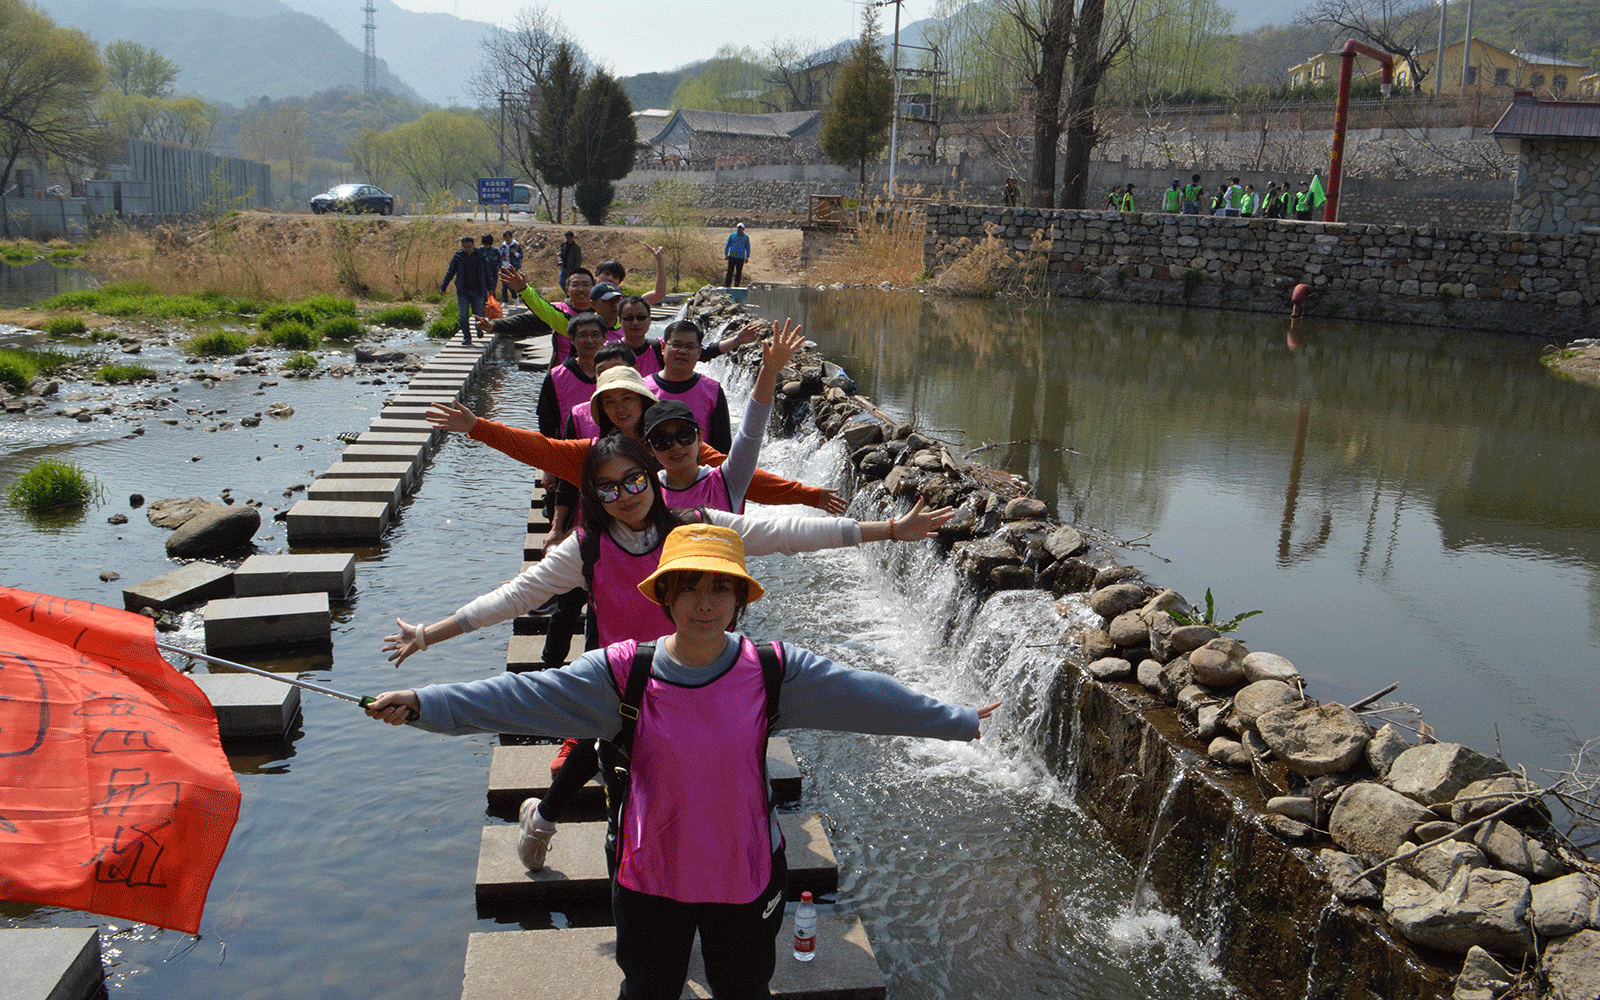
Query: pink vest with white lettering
x=571, y=388
x=695, y=827
x=711, y=491
x=700, y=398
x=620, y=611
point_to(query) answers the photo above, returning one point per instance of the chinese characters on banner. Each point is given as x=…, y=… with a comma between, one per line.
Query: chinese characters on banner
x=115, y=795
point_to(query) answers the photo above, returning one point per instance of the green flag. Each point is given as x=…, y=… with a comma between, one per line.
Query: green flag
x=1318, y=196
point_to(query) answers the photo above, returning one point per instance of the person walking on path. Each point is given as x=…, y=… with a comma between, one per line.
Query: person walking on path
x=1012, y=195
x=569, y=257
x=510, y=257
x=1303, y=202
x=1127, y=199
x=473, y=282
x=737, y=251
x=1172, y=198
x=1192, y=193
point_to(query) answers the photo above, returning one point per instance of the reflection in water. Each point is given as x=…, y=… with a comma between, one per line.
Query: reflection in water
x=25, y=284
x=1405, y=503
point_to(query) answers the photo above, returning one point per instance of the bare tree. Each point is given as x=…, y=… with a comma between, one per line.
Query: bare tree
x=1395, y=26
x=1094, y=50
x=513, y=69
x=802, y=75
x=1047, y=27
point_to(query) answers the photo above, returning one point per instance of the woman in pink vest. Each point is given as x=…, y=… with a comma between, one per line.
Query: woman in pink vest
x=698, y=846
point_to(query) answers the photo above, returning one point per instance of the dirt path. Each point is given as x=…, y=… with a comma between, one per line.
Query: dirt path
x=774, y=253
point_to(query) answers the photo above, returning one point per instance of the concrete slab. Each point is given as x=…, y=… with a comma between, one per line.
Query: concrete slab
x=407, y=438
x=337, y=520
x=520, y=772
x=190, y=584
x=416, y=454
x=579, y=963
x=278, y=620
x=50, y=963
x=407, y=422
x=575, y=871
x=404, y=471
x=332, y=573
x=385, y=491
x=250, y=707
x=393, y=407
x=452, y=389
x=526, y=652
x=531, y=624
x=440, y=381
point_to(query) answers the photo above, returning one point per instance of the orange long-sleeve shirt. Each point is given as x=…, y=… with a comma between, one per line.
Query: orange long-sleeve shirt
x=564, y=460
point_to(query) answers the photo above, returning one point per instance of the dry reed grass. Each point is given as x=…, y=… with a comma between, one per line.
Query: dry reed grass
x=887, y=246
x=994, y=265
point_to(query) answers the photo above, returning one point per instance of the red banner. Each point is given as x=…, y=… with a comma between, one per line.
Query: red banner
x=115, y=796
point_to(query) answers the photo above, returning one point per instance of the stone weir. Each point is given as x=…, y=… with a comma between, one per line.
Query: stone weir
x=1318, y=858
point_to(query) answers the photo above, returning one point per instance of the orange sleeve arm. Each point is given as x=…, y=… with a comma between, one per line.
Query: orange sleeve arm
x=711, y=456
x=562, y=459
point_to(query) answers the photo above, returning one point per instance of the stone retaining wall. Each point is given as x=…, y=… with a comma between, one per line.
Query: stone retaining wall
x=1547, y=285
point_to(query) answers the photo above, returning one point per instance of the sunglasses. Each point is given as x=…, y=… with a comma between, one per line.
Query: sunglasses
x=664, y=440
x=636, y=319
x=633, y=485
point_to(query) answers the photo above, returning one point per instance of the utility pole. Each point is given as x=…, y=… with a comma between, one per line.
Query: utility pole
x=1438, y=53
x=894, y=123
x=1466, y=52
x=369, y=83
x=502, y=133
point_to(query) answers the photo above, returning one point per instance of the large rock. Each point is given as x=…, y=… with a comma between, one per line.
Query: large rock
x=1434, y=773
x=1160, y=626
x=172, y=512
x=1514, y=850
x=1228, y=753
x=1385, y=748
x=1216, y=667
x=1573, y=966
x=977, y=557
x=1316, y=740
x=369, y=355
x=1096, y=644
x=1481, y=978
x=1344, y=874
x=1446, y=899
x=861, y=434
x=222, y=530
x=1255, y=700
x=1269, y=667
x=1024, y=509
x=1064, y=542
x=1111, y=668
x=1373, y=821
x=1109, y=602
x=1128, y=629
x=1188, y=638
x=1173, y=677
x=1492, y=795
x=1562, y=906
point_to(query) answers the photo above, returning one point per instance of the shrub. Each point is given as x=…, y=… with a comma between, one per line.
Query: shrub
x=13, y=375
x=300, y=362
x=123, y=373
x=409, y=317
x=218, y=343
x=308, y=311
x=444, y=327
x=18, y=367
x=51, y=485
x=294, y=336
x=341, y=328
x=63, y=326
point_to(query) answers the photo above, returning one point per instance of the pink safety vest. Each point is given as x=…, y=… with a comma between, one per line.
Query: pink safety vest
x=561, y=344
x=700, y=398
x=695, y=827
x=571, y=388
x=646, y=359
x=583, y=422
x=711, y=491
x=620, y=611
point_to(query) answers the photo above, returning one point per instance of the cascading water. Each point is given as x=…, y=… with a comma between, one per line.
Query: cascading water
x=969, y=864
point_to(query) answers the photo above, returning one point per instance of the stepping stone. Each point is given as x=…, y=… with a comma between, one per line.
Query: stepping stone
x=337, y=520
x=575, y=871
x=579, y=963
x=436, y=387
x=409, y=424
x=417, y=407
x=407, y=438
x=250, y=707
x=523, y=653
x=423, y=399
x=50, y=963
x=416, y=454
x=255, y=622
x=332, y=573
x=532, y=624
x=520, y=772
x=385, y=491
x=191, y=584
x=533, y=542
x=404, y=471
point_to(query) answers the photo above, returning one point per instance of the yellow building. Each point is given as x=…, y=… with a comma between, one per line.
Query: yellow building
x=1589, y=85
x=1323, y=68
x=1494, y=70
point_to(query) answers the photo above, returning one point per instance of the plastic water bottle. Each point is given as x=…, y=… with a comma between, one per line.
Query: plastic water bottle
x=805, y=929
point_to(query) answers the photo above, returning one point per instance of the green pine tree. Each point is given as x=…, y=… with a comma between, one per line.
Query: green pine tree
x=856, y=127
x=602, y=144
x=550, y=140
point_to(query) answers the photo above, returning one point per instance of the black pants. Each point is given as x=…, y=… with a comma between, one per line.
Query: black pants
x=735, y=272
x=738, y=942
x=564, y=624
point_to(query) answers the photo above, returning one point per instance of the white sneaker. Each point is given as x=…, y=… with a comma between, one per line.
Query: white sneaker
x=532, y=844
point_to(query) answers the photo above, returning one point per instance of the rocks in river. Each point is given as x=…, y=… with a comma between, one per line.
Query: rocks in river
x=224, y=529
x=1434, y=772
x=1373, y=821
x=117, y=519
x=1219, y=663
x=1255, y=700
x=1261, y=666
x=1481, y=978
x=368, y=355
x=1024, y=509
x=1490, y=795
x=172, y=512
x=1448, y=898
x=860, y=434
x=1110, y=668
x=1109, y=602
x=280, y=410
x=109, y=576
x=1563, y=906
x=1064, y=542
x=1384, y=749
x=1315, y=740
x=1344, y=875
x=1572, y=965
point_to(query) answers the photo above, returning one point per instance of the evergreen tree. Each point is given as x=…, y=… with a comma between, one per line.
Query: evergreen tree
x=857, y=124
x=550, y=139
x=602, y=144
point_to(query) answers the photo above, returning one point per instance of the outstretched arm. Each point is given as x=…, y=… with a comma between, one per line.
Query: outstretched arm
x=660, y=292
x=775, y=354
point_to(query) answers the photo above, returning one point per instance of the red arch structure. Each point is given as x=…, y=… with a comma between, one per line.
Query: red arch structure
x=1341, y=116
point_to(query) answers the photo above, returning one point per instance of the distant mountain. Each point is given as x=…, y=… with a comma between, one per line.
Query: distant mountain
x=227, y=56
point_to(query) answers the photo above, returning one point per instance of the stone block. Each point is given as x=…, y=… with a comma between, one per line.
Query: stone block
x=250, y=707
x=520, y=772
x=191, y=584
x=575, y=871
x=385, y=491
x=411, y=423
x=52, y=963
x=404, y=471
x=407, y=438
x=335, y=520
x=415, y=454
x=579, y=963
x=278, y=620
x=524, y=653
x=332, y=573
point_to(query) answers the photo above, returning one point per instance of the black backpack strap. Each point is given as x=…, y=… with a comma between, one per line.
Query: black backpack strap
x=772, y=675
x=632, y=698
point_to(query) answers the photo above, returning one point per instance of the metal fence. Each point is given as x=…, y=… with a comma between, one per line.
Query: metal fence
x=45, y=218
x=164, y=179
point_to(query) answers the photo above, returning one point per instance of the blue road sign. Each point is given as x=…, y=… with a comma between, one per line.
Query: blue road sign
x=494, y=190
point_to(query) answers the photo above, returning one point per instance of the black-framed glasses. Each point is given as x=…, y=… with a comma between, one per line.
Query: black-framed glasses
x=665, y=439
x=633, y=484
x=636, y=319
x=679, y=345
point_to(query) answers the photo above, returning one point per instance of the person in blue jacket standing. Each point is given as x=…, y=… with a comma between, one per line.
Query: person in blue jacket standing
x=737, y=251
x=511, y=256
x=473, y=280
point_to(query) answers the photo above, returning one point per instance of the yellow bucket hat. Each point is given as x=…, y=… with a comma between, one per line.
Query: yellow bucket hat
x=707, y=548
x=620, y=377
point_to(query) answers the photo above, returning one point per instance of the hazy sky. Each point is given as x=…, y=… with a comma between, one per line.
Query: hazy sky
x=645, y=36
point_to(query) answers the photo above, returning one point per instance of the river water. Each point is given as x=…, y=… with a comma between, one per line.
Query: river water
x=350, y=872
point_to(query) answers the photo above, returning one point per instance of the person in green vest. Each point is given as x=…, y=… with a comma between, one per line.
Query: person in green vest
x=1235, y=196
x=1127, y=199
x=1252, y=202
x=1302, y=202
x=1192, y=193
x=1285, y=201
x=1172, y=197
